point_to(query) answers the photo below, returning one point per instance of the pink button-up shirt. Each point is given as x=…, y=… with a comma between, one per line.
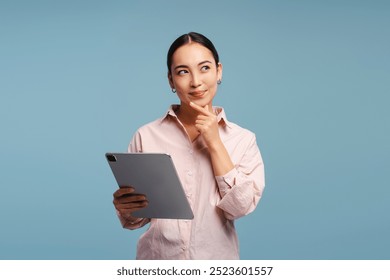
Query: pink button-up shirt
x=216, y=201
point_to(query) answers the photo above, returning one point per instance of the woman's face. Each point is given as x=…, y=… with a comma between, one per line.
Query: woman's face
x=194, y=74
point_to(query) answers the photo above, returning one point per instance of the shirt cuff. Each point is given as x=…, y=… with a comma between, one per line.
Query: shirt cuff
x=227, y=181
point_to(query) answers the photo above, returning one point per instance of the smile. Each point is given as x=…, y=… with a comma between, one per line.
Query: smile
x=197, y=93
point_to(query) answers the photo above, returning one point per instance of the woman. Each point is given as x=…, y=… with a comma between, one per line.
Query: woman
x=218, y=162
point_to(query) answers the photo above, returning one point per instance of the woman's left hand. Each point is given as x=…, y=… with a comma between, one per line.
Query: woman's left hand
x=207, y=124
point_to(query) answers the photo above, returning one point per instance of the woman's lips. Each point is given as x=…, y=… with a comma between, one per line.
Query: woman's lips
x=197, y=93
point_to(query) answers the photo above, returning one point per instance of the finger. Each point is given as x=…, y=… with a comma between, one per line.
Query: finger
x=130, y=199
x=206, y=123
x=127, y=213
x=202, y=117
x=199, y=128
x=200, y=121
x=200, y=109
x=126, y=198
x=127, y=188
x=211, y=118
x=123, y=191
x=131, y=206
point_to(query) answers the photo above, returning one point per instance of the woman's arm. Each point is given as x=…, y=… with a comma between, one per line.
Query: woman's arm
x=207, y=125
x=242, y=187
x=240, y=184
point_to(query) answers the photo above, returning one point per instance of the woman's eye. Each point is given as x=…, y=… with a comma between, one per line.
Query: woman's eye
x=205, y=68
x=181, y=72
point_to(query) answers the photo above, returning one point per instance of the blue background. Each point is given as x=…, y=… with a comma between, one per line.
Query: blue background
x=310, y=78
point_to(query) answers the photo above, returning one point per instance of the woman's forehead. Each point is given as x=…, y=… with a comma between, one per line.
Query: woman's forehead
x=192, y=53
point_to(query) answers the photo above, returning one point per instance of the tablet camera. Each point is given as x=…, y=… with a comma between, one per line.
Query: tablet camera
x=111, y=158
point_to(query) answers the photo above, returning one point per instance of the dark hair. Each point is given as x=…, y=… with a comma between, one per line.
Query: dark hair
x=188, y=38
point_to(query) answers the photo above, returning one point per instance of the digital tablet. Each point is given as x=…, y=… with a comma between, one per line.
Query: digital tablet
x=155, y=176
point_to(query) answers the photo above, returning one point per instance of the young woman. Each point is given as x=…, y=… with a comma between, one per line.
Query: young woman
x=218, y=162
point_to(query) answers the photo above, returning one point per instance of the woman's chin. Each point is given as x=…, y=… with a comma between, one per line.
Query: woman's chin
x=202, y=102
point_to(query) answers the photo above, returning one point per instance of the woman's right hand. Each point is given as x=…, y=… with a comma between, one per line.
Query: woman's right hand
x=126, y=201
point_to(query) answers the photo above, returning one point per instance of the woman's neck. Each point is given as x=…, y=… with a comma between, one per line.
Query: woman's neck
x=188, y=115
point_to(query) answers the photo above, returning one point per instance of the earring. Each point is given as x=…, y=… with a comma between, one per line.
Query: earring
x=219, y=81
x=173, y=90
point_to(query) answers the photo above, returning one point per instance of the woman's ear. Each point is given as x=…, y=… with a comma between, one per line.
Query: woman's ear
x=219, y=71
x=170, y=80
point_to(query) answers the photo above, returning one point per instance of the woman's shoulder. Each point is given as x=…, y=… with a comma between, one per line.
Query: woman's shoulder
x=150, y=126
x=235, y=130
x=233, y=127
x=158, y=125
x=161, y=122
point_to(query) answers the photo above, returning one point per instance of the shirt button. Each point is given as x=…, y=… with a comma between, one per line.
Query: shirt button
x=191, y=152
x=189, y=173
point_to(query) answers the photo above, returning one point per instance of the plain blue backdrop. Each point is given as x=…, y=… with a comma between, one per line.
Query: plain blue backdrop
x=310, y=78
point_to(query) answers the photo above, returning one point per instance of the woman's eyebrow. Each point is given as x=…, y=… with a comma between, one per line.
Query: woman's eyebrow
x=185, y=66
x=203, y=62
x=180, y=66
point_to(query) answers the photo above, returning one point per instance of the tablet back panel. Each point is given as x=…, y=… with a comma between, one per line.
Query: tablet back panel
x=155, y=176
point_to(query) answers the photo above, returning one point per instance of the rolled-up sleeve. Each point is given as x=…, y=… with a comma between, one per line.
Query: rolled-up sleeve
x=242, y=187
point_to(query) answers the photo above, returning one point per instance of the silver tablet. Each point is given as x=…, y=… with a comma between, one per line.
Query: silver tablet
x=155, y=176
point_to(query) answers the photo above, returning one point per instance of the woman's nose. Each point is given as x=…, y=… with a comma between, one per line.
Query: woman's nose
x=195, y=81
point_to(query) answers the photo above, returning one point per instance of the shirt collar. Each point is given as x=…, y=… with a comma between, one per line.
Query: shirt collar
x=219, y=111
